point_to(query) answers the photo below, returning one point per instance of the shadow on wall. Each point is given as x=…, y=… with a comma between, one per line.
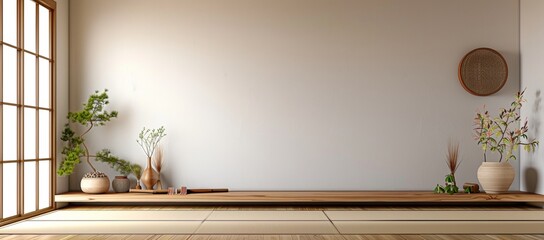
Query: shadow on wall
x=535, y=120
x=531, y=173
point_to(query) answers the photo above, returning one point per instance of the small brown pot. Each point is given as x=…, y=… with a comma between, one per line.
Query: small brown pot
x=120, y=184
x=496, y=177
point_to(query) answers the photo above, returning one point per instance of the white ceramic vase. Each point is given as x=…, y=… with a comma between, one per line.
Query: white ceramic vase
x=496, y=177
x=95, y=185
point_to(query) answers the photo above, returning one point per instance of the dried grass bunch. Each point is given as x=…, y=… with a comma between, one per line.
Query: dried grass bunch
x=158, y=159
x=452, y=158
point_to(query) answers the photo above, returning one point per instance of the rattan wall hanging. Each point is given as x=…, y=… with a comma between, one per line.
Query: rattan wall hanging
x=483, y=71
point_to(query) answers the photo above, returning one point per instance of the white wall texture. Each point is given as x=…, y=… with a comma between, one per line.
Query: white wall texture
x=290, y=95
x=62, y=80
x=532, y=78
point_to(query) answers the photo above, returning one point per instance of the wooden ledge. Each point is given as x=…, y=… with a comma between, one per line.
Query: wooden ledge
x=303, y=197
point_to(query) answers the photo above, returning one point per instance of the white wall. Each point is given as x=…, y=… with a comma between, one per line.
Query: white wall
x=309, y=94
x=62, y=81
x=532, y=78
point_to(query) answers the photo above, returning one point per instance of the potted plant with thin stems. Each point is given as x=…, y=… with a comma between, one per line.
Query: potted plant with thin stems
x=92, y=115
x=149, y=139
x=503, y=135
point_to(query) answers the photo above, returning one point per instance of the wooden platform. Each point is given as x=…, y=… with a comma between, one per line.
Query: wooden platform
x=302, y=197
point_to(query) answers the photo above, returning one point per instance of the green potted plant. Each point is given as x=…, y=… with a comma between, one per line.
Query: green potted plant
x=452, y=160
x=137, y=171
x=92, y=115
x=121, y=183
x=503, y=135
x=149, y=139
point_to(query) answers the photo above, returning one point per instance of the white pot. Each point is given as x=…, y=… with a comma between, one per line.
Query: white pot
x=95, y=185
x=496, y=177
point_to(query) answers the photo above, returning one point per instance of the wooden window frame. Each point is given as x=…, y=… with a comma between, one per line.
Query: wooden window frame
x=20, y=215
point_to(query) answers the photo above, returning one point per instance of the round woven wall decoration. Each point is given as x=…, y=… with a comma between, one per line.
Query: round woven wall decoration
x=483, y=71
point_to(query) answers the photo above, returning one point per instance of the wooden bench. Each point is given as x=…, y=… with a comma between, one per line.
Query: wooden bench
x=290, y=197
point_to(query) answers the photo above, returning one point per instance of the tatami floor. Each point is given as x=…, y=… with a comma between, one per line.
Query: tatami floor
x=285, y=222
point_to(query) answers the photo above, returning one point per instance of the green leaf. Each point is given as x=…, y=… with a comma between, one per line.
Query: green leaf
x=122, y=166
x=439, y=189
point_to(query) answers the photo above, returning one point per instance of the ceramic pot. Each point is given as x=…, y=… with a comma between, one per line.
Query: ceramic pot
x=149, y=176
x=95, y=185
x=496, y=177
x=120, y=184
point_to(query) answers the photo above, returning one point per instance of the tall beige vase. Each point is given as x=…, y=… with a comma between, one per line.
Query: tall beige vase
x=149, y=176
x=496, y=177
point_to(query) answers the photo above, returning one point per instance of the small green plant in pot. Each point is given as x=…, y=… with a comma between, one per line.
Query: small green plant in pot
x=452, y=160
x=137, y=171
x=92, y=115
x=502, y=135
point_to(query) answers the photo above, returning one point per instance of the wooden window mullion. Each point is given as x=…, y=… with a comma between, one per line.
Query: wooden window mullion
x=52, y=100
x=37, y=132
x=20, y=109
x=2, y=112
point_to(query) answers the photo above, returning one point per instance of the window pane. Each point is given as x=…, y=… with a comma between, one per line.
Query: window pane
x=9, y=185
x=45, y=134
x=45, y=79
x=30, y=187
x=10, y=132
x=30, y=79
x=10, y=21
x=45, y=178
x=30, y=133
x=9, y=65
x=44, y=31
x=30, y=26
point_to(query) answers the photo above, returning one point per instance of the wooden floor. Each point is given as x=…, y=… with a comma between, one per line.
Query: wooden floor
x=234, y=208
x=303, y=197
